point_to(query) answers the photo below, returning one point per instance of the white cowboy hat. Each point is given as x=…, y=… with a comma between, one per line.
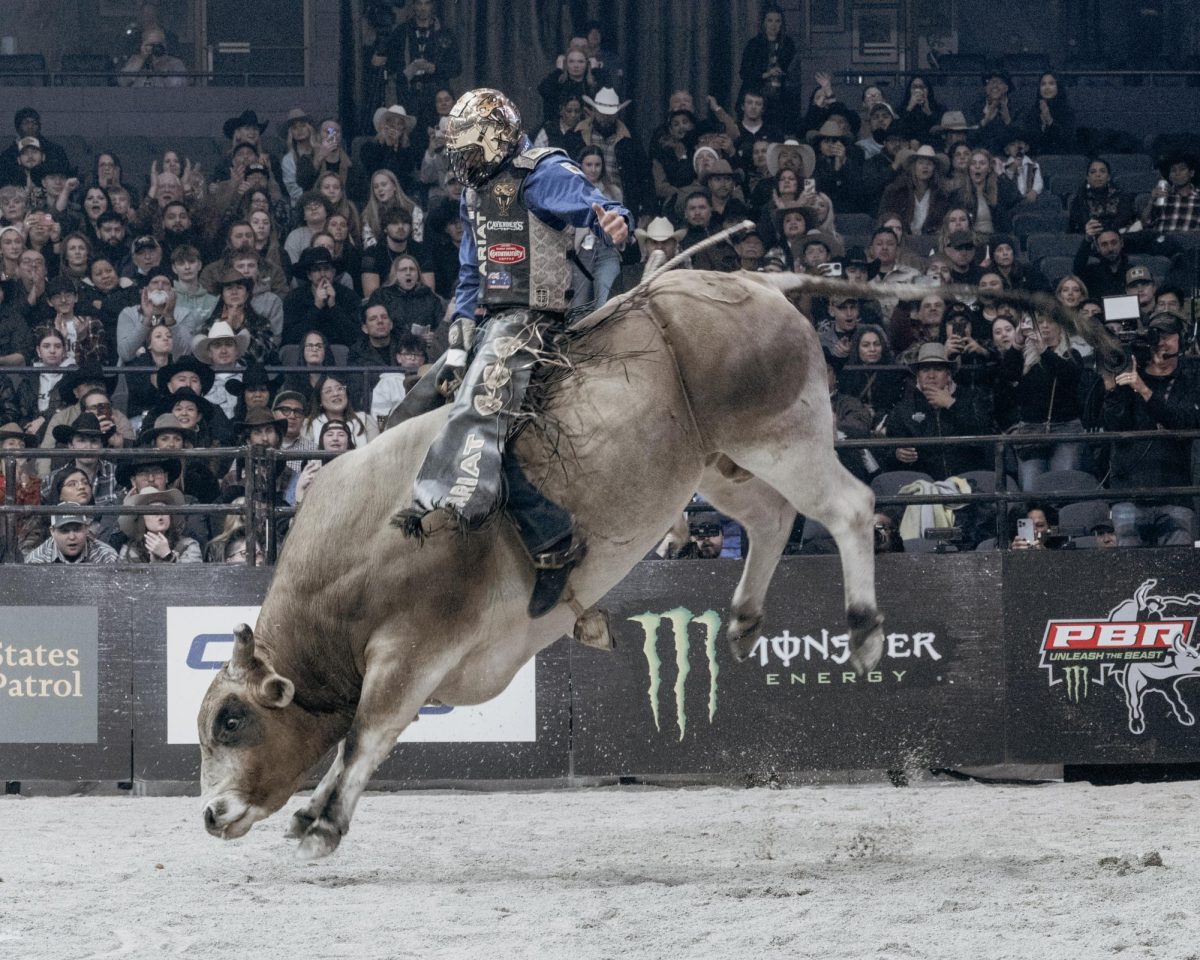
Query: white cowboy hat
x=807, y=157
x=394, y=110
x=219, y=331
x=660, y=229
x=906, y=158
x=607, y=102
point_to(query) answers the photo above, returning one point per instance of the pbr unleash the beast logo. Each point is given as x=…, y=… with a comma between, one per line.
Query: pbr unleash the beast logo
x=1142, y=644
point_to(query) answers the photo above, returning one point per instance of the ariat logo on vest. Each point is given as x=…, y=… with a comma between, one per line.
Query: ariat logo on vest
x=506, y=253
x=468, y=473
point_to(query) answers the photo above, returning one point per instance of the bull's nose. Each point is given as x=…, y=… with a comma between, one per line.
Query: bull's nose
x=210, y=820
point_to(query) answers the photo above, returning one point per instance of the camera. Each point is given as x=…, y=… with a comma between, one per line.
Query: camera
x=158, y=50
x=1140, y=345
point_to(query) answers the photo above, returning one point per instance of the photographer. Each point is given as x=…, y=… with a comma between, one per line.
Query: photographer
x=1157, y=391
x=151, y=65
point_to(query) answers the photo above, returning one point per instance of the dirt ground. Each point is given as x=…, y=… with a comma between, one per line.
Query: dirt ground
x=948, y=870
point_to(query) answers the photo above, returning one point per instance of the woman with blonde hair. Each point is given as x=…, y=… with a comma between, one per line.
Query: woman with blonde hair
x=332, y=188
x=385, y=191
x=987, y=196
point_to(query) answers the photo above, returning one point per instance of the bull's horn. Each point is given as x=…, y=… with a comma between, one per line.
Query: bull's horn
x=243, y=649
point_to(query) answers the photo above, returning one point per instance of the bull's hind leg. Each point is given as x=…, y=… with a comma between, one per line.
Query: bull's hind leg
x=806, y=471
x=393, y=692
x=768, y=518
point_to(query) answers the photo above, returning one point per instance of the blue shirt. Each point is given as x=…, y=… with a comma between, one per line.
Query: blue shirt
x=557, y=193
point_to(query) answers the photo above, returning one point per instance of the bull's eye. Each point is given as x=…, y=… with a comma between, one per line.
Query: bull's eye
x=232, y=724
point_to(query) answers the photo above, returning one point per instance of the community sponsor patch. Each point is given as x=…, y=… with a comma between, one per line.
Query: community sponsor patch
x=803, y=663
x=200, y=641
x=1143, y=645
x=506, y=254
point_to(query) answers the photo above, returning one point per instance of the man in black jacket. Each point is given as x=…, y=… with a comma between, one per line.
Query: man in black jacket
x=1165, y=394
x=1105, y=278
x=319, y=303
x=939, y=408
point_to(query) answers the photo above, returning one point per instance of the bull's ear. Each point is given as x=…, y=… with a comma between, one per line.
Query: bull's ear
x=275, y=692
x=243, y=651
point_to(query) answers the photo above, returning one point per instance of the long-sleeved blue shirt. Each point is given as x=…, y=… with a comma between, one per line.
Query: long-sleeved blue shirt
x=557, y=193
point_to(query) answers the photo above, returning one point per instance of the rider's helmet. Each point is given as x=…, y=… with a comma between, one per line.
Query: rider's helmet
x=484, y=131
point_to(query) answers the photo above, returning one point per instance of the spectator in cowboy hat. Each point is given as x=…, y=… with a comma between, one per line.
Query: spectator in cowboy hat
x=86, y=436
x=197, y=480
x=659, y=234
x=298, y=172
x=80, y=390
x=255, y=388
x=939, y=408
x=953, y=130
x=631, y=170
x=838, y=169
x=718, y=178
x=222, y=349
x=245, y=128
x=318, y=303
x=195, y=413
x=791, y=154
x=157, y=538
x=153, y=471
x=392, y=149
x=916, y=195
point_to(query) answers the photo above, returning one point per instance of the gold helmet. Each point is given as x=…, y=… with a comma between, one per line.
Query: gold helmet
x=484, y=131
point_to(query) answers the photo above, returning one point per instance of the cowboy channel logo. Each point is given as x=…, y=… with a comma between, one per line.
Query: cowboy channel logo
x=801, y=662
x=1143, y=645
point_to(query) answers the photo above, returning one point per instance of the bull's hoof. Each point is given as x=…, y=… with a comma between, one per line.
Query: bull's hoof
x=743, y=635
x=320, y=840
x=301, y=821
x=865, y=657
x=592, y=629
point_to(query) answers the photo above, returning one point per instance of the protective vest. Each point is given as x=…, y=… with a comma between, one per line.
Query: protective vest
x=522, y=259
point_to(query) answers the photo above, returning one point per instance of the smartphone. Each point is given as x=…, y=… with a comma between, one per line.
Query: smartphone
x=419, y=329
x=1026, y=531
x=331, y=136
x=810, y=185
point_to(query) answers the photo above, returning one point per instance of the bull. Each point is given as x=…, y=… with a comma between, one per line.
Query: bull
x=695, y=381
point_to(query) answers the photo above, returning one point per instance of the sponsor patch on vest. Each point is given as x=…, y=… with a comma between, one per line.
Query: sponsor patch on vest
x=499, y=280
x=570, y=167
x=508, y=226
x=506, y=253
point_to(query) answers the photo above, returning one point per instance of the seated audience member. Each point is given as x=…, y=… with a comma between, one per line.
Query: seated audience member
x=392, y=150
x=706, y=537
x=839, y=167
x=255, y=389
x=222, y=348
x=189, y=374
x=1016, y=274
x=75, y=258
x=1043, y=519
x=852, y=421
x=1018, y=167
x=36, y=399
x=190, y=293
x=916, y=196
x=230, y=546
x=331, y=401
x=105, y=294
x=376, y=347
x=318, y=303
x=316, y=210
x=72, y=388
x=879, y=390
x=409, y=356
x=263, y=299
x=988, y=197
x=1105, y=278
x=1177, y=206
x=197, y=480
x=837, y=332
x=1099, y=203
x=290, y=406
x=298, y=172
x=85, y=336
x=335, y=437
x=659, y=234
x=157, y=538
x=939, y=408
x=28, y=491
x=87, y=435
x=557, y=133
x=158, y=306
x=1047, y=375
x=235, y=308
x=413, y=306
x=1164, y=394
x=70, y=541
x=262, y=429
x=396, y=242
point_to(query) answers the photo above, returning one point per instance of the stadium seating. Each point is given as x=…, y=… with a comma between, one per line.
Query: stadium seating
x=1055, y=268
x=1158, y=265
x=861, y=223
x=23, y=70
x=1064, y=480
x=86, y=70
x=1079, y=518
x=1049, y=221
x=1065, y=171
x=888, y=484
x=1122, y=163
x=1040, y=245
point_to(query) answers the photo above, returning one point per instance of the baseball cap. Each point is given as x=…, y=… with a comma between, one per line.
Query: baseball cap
x=144, y=243
x=1138, y=274
x=704, y=524
x=1167, y=321
x=66, y=517
x=27, y=143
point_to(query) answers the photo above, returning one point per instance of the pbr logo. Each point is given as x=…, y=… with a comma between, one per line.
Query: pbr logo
x=1143, y=645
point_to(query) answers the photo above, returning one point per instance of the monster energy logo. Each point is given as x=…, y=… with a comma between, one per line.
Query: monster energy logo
x=1077, y=681
x=681, y=620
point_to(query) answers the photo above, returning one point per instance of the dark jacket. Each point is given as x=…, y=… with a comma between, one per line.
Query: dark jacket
x=1174, y=404
x=898, y=198
x=338, y=322
x=1111, y=206
x=419, y=305
x=1049, y=390
x=971, y=415
x=1099, y=278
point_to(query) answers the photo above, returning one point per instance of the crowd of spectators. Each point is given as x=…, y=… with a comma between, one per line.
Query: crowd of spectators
x=200, y=284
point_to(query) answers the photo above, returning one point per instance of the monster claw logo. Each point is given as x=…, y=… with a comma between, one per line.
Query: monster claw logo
x=1138, y=645
x=681, y=620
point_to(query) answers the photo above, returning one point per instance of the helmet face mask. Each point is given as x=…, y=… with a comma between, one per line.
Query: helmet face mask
x=484, y=130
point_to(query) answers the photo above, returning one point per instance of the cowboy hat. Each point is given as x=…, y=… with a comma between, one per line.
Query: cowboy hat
x=129, y=523
x=808, y=159
x=14, y=431
x=830, y=130
x=202, y=343
x=931, y=355
x=720, y=168
x=310, y=259
x=660, y=229
x=89, y=372
x=164, y=423
x=607, y=102
x=258, y=417
x=254, y=378
x=395, y=110
x=904, y=159
x=247, y=118
x=85, y=425
x=166, y=404
x=127, y=468
x=1001, y=75
x=294, y=115
x=187, y=363
x=953, y=120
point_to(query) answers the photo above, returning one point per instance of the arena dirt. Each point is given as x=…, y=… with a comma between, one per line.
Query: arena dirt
x=935, y=870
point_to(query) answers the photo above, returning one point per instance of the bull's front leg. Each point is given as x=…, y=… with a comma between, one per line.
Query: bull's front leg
x=304, y=818
x=393, y=693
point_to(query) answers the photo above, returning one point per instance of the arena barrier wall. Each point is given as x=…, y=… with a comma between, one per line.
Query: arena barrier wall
x=1038, y=657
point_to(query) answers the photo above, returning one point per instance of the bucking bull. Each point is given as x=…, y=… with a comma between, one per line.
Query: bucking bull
x=693, y=381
